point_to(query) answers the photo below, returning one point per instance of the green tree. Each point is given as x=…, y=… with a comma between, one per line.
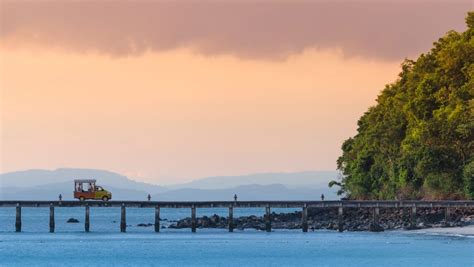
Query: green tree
x=417, y=141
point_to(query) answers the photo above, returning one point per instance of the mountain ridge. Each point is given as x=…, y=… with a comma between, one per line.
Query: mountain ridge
x=48, y=184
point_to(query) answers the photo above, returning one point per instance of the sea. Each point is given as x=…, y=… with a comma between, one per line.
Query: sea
x=104, y=245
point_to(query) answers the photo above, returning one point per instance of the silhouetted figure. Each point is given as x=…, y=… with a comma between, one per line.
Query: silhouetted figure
x=235, y=197
x=322, y=197
x=149, y=197
x=60, y=197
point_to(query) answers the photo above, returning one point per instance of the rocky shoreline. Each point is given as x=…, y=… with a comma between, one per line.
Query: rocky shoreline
x=353, y=220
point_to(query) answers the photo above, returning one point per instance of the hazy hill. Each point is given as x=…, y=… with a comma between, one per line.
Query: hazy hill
x=247, y=192
x=45, y=184
x=31, y=178
x=52, y=191
x=290, y=179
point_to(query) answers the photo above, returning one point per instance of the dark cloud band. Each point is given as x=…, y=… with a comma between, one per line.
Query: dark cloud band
x=387, y=31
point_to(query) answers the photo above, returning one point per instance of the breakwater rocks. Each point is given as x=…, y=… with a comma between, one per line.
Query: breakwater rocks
x=72, y=220
x=353, y=219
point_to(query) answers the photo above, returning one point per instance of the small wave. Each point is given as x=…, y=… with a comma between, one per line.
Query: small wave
x=447, y=234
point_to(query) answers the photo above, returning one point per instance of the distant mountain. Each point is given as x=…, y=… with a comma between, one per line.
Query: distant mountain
x=52, y=191
x=247, y=192
x=46, y=185
x=315, y=179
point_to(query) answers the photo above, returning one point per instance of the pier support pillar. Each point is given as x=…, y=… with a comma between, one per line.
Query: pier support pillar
x=376, y=214
x=51, y=218
x=374, y=225
x=193, y=219
x=268, y=221
x=340, y=219
x=231, y=219
x=123, y=219
x=87, y=219
x=157, y=219
x=18, y=218
x=447, y=215
x=304, y=218
x=413, y=216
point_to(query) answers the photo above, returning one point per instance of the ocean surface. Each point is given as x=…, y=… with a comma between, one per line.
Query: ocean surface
x=140, y=246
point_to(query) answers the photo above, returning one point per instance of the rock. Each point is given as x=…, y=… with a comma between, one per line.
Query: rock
x=412, y=227
x=340, y=227
x=355, y=219
x=72, y=220
x=215, y=219
x=144, y=224
x=375, y=227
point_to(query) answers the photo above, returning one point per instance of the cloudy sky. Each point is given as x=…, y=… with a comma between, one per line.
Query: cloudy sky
x=167, y=91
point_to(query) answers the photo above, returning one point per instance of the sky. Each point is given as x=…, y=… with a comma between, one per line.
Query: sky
x=169, y=91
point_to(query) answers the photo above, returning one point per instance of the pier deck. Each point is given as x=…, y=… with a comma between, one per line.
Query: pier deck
x=245, y=204
x=376, y=205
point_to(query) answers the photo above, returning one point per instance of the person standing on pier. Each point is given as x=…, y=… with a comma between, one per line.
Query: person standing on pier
x=235, y=197
x=149, y=197
x=322, y=197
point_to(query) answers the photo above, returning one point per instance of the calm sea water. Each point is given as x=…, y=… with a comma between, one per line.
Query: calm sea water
x=106, y=246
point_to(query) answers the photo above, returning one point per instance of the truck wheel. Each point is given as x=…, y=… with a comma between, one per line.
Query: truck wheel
x=82, y=198
x=105, y=198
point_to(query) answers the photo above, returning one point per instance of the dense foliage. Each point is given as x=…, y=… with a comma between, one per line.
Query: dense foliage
x=417, y=141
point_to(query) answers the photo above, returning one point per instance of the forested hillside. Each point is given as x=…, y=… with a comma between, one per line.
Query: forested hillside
x=417, y=141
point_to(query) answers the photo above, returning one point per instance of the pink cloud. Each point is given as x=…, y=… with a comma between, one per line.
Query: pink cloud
x=389, y=31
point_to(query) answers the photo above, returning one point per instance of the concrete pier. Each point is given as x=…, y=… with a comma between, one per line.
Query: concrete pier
x=87, y=219
x=340, y=219
x=18, y=218
x=123, y=219
x=447, y=215
x=304, y=218
x=244, y=204
x=157, y=219
x=193, y=219
x=51, y=218
x=231, y=219
x=376, y=214
x=268, y=220
x=376, y=205
x=413, y=216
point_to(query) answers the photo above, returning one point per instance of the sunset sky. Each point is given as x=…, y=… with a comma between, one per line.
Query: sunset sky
x=169, y=91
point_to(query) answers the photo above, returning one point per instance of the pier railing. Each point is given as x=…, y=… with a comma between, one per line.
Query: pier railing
x=376, y=205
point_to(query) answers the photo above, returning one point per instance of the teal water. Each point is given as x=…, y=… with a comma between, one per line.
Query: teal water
x=105, y=246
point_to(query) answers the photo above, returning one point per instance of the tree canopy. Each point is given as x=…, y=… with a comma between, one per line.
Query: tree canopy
x=417, y=142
